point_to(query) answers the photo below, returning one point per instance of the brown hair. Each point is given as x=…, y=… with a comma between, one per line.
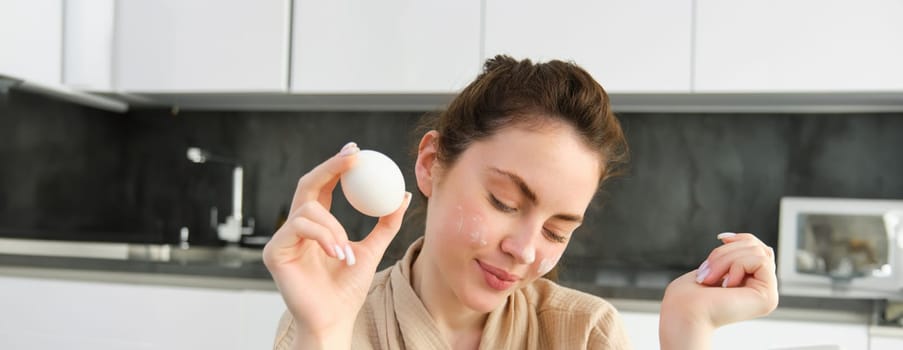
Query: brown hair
x=510, y=92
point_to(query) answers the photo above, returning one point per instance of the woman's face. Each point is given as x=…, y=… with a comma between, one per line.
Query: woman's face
x=504, y=212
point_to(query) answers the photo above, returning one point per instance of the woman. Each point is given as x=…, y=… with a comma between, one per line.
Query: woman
x=508, y=171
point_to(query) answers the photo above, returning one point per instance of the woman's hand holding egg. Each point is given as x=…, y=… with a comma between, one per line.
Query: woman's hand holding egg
x=322, y=276
x=736, y=282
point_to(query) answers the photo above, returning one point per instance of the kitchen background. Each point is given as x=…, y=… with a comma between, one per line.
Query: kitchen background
x=77, y=173
x=728, y=106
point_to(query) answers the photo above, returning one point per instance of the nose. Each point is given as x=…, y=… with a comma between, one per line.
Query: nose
x=520, y=246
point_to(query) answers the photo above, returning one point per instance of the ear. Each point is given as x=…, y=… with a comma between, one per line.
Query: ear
x=426, y=165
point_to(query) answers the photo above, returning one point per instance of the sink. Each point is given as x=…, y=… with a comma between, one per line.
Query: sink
x=230, y=255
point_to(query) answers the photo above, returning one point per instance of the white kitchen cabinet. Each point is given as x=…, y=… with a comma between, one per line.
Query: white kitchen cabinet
x=885, y=338
x=771, y=333
x=384, y=47
x=31, y=40
x=628, y=46
x=57, y=314
x=210, y=46
x=88, y=45
x=759, y=334
x=798, y=46
x=886, y=343
x=35, y=45
x=642, y=329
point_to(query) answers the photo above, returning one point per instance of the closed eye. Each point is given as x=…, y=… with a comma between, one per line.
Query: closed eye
x=552, y=236
x=500, y=206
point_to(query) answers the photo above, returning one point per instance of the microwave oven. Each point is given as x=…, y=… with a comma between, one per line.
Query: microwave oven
x=841, y=248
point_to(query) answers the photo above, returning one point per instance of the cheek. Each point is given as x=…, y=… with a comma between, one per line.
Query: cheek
x=471, y=227
x=464, y=225
x=548, y=260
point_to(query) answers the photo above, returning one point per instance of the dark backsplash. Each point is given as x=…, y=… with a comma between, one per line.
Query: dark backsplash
x=63, y=168
x=77, y=173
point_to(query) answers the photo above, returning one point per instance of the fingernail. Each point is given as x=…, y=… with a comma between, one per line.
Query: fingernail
x=349, y=149
x=349, y=255
x=702, y=273
x=724, y=283
x=338, y=252
x=724, y=235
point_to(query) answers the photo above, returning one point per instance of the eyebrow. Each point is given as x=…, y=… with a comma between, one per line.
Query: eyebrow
x=522, y=185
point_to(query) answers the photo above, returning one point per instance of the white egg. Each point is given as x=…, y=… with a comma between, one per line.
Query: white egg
x=374, y=185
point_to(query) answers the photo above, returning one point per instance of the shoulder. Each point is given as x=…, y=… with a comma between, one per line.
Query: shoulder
x=549, y=297
x=561, y=309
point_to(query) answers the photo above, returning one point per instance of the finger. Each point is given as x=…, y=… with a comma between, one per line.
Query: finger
x=732, y=247
x=325, y=197
x=323, y=177
x=284, y=244
x=733, y=241
x=755, y=274
x=734, y=277
x=728, y=237
x=313, y=211
x=732, y=269
x=386, y=228
x=719, y=260
x=722, y=259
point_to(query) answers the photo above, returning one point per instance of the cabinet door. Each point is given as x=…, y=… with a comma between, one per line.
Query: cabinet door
x=790, y=334
x=885, y=338
x=31, y=40
x=886, y=343
x=51, y=314
x=642, y=329
x=799, y=46
x=260, y=314
x=202, y=45
x=628, y=46
x=759, y=334
x=395, y=46
x=88, y=43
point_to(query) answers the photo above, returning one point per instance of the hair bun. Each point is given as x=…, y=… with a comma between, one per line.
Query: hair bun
x=501, y=62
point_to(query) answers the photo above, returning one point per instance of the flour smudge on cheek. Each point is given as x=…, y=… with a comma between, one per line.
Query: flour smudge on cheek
x=529, y=255
x=476, y=232
x=547, y=264
x=460, y=218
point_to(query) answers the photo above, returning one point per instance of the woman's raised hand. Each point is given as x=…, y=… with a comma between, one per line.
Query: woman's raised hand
x=736, y=282
x=322, y=276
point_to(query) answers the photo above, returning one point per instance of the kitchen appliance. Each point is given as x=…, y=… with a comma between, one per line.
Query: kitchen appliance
x=840, y=247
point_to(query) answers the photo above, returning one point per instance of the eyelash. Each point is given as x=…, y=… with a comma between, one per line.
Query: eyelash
x=554, y=236
x=501, y=206
x=506, y=209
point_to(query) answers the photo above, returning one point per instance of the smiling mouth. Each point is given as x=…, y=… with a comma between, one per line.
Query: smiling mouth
x=497, y=278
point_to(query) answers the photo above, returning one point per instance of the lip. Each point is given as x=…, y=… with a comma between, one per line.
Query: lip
x=497, y=278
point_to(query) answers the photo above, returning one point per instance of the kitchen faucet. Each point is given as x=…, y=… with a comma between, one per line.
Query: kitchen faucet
x=232, y=229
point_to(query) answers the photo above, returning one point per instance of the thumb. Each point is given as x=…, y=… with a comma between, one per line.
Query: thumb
x=386, y=228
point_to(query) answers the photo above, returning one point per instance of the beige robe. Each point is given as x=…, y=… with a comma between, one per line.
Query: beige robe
x=541, y=315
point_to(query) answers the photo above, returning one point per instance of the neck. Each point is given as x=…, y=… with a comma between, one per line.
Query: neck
x=454, y=319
